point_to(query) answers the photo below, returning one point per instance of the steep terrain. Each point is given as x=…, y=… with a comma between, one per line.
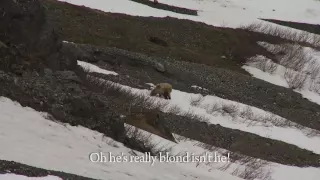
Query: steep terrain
x=47, y=49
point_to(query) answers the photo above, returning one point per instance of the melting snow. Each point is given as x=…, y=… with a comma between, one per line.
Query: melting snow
x=20, y=177
x=231, y=13
x=184, y=100
x=27, y=137
x=94, y=68
x=310, y=70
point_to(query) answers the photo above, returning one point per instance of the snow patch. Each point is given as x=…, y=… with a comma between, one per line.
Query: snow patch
x=10, y=176
x=198, y=87
x=94, y=68
x=61, y=147
x=231, y=13
x=26, y=137
x=183, y=101
x=299, y=69
x=271, y=78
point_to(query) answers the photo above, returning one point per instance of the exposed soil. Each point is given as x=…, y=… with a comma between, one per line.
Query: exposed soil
x=191, y=42
x=166, y=7
x=180, y=52
x=187, y=40
x=135, y=72
x=30, y=171
x=70, y=102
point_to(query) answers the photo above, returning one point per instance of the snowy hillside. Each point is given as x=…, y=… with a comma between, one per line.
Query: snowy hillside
x=73, y=146
x=258, y=121
x=77, y=146
x=20, y=177
x=245, y=103
x=77, y=151
x=231, y=13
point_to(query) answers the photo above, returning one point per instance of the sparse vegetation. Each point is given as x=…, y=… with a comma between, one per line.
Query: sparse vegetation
x=248, y=168
x=136, y=101
x=111, y=30
x=247, y=113
x=173, y=110
x=139, y=102
x=291, y=56
x=263, y=64
x=254, y=169
x=193, y=116
x=300, y=68
x=143, y=142
x=102, y=105
x=215, y=107
x=315, y=86
x=303, y=37
x=311, y=28
x=295, y=57
x=230, y=109
x=196, y=101
x=314, y=69
x=294, y=79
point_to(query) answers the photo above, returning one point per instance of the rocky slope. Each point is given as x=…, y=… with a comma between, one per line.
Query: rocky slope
x=40, y=71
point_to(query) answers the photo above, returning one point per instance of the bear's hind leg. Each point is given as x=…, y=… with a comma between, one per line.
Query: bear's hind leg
x=166, y=95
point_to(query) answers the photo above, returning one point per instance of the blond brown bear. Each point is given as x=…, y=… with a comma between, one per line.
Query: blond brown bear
x=162, y=89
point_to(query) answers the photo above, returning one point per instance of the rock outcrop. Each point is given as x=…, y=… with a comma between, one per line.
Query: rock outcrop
x=23, y=25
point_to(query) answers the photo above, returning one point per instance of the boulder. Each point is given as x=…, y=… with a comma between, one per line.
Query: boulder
x=159, y=67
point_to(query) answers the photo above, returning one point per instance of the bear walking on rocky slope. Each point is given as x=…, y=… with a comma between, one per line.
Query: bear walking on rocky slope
x=162, y=89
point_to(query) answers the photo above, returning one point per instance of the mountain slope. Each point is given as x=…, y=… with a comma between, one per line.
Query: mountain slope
x=71, y=76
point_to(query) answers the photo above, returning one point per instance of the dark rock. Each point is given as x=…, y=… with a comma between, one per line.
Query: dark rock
x=159, y=67
x=158, y=41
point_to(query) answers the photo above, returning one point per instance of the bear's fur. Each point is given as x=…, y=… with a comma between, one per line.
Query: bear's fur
x=151, y=122
x=162, y=89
